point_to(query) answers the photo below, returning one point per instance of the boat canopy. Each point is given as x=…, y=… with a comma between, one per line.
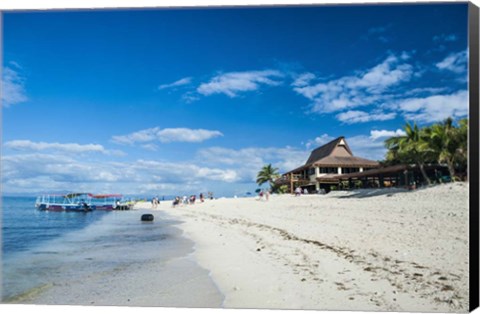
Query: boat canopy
x=89, y=195
x=71, y=195
x=107, y=196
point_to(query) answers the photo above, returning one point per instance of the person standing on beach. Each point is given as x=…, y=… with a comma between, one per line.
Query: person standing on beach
x=153, y=202
x=267, y=195
x=298, y=191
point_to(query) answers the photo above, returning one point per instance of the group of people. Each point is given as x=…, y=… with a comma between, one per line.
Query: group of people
x=264, y=194
x=299, y=191
x=180, y=201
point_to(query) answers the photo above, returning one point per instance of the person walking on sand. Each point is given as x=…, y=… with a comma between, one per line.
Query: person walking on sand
x=154, y=202
x=176, y=201
x=267, y=195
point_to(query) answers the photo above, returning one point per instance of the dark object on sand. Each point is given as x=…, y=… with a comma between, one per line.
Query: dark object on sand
x=147, y=217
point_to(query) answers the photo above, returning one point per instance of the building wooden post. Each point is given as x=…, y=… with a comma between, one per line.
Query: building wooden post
x=381, y=181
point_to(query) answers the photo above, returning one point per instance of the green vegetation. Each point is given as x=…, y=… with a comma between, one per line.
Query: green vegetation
x=269, y=174
x=440, y=143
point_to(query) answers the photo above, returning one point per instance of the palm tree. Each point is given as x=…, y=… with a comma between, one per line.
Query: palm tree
x=267, y=174
x=412, y=147
x=450, y=144
x=462, y=137
x=444, y=141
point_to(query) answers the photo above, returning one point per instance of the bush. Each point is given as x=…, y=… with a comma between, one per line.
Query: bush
x=280, y=189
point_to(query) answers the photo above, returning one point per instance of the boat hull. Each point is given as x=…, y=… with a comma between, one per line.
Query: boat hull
x=103, y=207
x=64, y=208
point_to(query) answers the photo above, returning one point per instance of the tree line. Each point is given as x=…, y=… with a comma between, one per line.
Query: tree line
x=444, y=143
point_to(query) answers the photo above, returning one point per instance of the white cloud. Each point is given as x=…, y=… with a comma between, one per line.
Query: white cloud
x=151, y=147
x=248, y=161
x=167, y=135
x=377, y=33
x=367, y=147
x=356, y=116
x=319, y=140
x=233, y=83
x=186, y=135
x=303, y=79
x=47, y=172
x=376, y=134
x=435, y=108
x=13, y=86
x=61, y=170
x=425, y=90
x=368, y=87
x=445, y=38
x=181, y=82
x=146, y=135
x=455, y=62
x=190, y=97
x=170, y=172
x=27, y=145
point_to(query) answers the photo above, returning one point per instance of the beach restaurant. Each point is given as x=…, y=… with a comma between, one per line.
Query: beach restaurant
x=323, y=167
x=333, y=166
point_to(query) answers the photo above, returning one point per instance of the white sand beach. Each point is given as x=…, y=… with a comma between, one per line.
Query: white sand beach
x=374, y=250
x=370, y=250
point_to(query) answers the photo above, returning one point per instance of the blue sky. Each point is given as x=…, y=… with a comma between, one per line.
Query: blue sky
x=162, y=102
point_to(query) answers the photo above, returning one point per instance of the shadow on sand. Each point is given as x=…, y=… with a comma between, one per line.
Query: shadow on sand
x=363, y=193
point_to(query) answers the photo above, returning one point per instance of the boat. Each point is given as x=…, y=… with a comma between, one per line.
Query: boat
x=78, y=202
x=81, y=202
x=125, y=204
x=106, y=201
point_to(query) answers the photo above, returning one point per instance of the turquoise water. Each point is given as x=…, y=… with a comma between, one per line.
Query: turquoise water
x=44, y=249
x=24, y=227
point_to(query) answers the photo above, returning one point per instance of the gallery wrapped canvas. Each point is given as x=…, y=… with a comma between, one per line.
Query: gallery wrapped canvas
x=285, y=157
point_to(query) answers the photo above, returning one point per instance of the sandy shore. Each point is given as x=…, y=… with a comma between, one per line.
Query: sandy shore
x=386, y=250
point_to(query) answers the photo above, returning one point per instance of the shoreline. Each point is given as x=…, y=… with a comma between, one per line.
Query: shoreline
x=366, y=250
x=149, y=264
x=363, y=250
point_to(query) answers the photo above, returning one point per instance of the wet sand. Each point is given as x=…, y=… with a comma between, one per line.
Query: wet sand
x=118, y=261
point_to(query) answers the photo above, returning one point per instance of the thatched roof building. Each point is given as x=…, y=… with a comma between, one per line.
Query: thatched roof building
x=324, y=164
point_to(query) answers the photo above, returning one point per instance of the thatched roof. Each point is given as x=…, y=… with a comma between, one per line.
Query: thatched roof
x=334, y=161
x=335, y=153
x=327, y=150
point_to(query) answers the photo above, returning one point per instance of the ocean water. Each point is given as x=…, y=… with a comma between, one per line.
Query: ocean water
x=45, y=250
